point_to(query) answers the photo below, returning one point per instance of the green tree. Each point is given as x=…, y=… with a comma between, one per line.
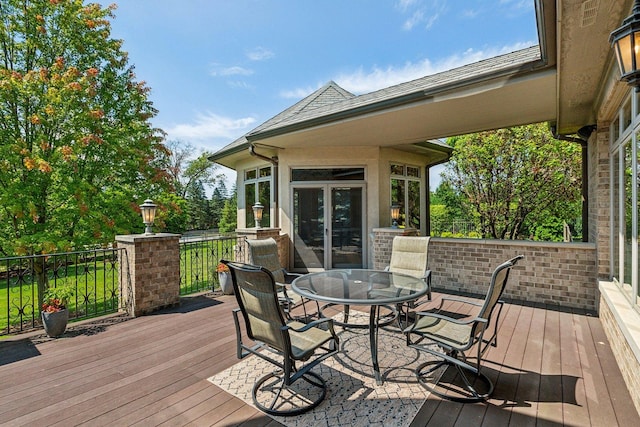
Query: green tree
x=76, y=143
x=229, y=218
x=198, y=208
x=218, y=199
x=187, y=172
x=511, y=177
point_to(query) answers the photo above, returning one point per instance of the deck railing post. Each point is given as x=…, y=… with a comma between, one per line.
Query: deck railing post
x=154, y=269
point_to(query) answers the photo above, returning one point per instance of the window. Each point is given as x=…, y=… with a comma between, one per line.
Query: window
x=625, y=210
x=405, y=192
x=257, y=188
x=327, y=174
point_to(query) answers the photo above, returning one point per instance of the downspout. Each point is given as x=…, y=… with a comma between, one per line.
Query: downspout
x=274, y=161
x=583, y=136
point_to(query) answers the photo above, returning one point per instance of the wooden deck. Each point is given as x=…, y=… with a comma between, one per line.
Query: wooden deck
x=550, y=367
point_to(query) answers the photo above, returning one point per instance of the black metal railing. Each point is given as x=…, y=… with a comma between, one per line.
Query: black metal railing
x=199, y=258
x=92, y=274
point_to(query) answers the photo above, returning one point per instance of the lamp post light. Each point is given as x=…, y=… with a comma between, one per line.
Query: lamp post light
x=148, y=211
x=626, y=44
x=395, y=214
x=257, y=213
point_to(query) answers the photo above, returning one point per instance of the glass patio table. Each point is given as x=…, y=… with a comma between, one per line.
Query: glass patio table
x=373, y=288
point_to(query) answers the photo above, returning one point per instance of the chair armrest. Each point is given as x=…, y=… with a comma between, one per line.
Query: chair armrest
x=420, y=314
x=313, y=324
x=454, y=299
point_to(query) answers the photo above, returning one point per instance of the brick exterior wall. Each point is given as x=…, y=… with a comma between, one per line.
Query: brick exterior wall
x=561, y=274
x=626, y=359
x=153, y=263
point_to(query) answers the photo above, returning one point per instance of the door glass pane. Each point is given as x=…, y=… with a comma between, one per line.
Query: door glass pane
x=615, y=216
x=398, y=198
x=264, y=191
x=413, y=205
x=308, y=225
x=626, y=115
x=637, y=186
x=628, y=217
x=346, y=227
x=249, y=201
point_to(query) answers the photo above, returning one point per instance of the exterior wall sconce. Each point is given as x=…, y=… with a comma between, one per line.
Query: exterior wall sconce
x=395, y=214
x=257, y=213
x=626, y=44
x=148, y=210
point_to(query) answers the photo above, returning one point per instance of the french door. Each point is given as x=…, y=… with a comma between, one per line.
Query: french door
x=328, y=226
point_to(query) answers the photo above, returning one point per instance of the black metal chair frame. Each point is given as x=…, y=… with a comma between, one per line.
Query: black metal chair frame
x=453, y=355
x=288, y=372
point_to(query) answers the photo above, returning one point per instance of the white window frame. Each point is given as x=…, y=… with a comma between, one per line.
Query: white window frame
x=256, y=181
x=631, y=135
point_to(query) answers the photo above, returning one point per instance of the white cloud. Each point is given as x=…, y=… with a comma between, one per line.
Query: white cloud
x=403, y=5
x=230, y=71
x=422, y=12
x=210, y=129
x=416, y=18
x=260, y=54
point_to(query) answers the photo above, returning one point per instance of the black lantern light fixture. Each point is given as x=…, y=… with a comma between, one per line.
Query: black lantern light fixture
x=148, y=211
x=257, y=213
x=626, y=44
x=395, y=214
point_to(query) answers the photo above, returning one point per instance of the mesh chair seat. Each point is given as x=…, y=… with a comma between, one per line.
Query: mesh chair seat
x=454, y=336
x=444, y=331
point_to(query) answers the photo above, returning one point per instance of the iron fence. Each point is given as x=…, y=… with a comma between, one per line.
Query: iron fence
x=199, y=258
x=97, y=279
x=93, y=274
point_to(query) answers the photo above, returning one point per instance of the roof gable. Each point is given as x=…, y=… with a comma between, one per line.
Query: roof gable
x=321, y=98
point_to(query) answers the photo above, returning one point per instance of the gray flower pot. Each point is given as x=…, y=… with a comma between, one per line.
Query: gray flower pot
x=55, y=323
x=226, y=284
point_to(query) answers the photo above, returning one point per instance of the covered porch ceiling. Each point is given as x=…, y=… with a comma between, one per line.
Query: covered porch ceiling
x=502, y=102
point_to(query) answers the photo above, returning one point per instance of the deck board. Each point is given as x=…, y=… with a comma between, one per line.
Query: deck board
x=550, y=368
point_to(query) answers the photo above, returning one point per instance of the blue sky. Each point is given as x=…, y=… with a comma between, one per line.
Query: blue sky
x=219, y=68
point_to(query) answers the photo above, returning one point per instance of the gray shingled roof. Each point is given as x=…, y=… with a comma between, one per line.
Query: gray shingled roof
x=421, y=87
x=331, y=102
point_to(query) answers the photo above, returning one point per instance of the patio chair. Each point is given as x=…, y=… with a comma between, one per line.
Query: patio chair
x=454, y=333
x=264, y=253
x=284, y=343
x=409, y=255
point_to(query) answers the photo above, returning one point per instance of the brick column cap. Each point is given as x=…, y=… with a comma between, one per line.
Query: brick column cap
x=133, y=238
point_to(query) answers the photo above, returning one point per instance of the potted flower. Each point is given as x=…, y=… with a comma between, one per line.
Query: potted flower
x=55, y=314
x=224, y=277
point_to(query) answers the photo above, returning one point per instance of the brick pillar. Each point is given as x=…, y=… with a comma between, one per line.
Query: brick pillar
x=382, y=240
x=153, y=263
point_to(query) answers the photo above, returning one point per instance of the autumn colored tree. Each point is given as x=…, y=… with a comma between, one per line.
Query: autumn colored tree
x=515, y=177
x=77, y=150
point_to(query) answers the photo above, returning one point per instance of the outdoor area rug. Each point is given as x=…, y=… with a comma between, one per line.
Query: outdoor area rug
x=353, y=398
